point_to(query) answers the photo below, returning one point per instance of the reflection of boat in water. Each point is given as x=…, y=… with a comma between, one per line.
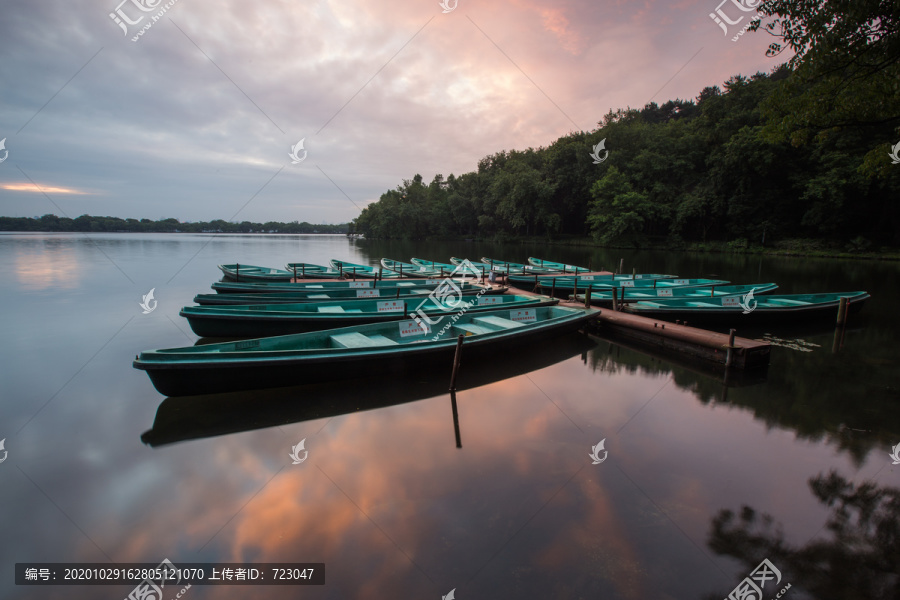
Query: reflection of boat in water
x=195, y=417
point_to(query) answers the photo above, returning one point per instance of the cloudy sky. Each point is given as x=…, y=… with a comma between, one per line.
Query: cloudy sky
x=197, y=117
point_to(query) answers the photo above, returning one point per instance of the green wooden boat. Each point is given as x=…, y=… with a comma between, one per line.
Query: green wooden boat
x=338, y=354
x=483, y=267
x=351, y=270
x=444, y=268
x=599, y=282
x=280, y=319
x=603, y=297
x=556, y=266
x=257, y=287
x=310, y=271
x=239, y=272
x=508, y=267
x=736, y=310
x=410, y=270
x=467, y=289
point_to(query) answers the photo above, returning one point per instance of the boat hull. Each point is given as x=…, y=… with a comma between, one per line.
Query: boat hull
x=217, y=376
x=325, y=295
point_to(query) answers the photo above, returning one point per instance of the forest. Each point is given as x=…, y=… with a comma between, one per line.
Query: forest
x=804, y=151
x=87, y=223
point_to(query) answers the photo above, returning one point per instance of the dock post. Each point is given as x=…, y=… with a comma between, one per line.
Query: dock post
x=398, y=291
x=303, y=271
x=729, y=357
x=295, y=273
x=459, y=343
x=842, y=312
x=622, y=303
x=615, y=299
x=590, y=263
x=455, y=418
x=553, y=288
x=712, y=291
x=354, y=274
x=535, y=283
x=587, y=295
x=237, y=271
x=633, y=272
x=654, y=283
x=405, y=308
x=621, y=265
x=341, y=269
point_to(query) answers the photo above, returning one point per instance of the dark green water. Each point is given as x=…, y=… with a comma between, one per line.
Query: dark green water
x=702, y=481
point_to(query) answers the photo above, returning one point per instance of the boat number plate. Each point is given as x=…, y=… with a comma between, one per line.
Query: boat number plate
x=587, y=277
x=246, y=344
x=391, y=306
x=628, y=283
x=368, y=293
x=731, y=301
x=433, y=281
x=410, y=328
x=489, y=300
x=526, y=315
x=663, y=292
x=681, y=282
x=360, y=284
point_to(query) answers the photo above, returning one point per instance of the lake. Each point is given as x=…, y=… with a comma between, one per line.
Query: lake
x=703, y=480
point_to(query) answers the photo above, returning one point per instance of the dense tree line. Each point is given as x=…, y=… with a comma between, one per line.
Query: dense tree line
x=87, y=223
x=801, y=152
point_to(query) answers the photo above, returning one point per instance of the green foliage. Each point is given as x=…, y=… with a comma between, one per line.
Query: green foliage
x=801, y=152
x=87, y=223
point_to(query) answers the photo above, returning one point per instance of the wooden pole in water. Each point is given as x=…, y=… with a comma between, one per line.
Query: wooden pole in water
x=405, y=308
x=341, y=269
x=587, y=295
x=729, y=357
x=842, y=312
x=237, y=271
x=553, y=288
x=633, y=272
x=615, y=299
x=456, y=357
x=621, y=265
x=455, y=418
x=295, y=273
x=622, y=303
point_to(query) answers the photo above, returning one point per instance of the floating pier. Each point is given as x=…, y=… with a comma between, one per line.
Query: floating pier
x=724, y=349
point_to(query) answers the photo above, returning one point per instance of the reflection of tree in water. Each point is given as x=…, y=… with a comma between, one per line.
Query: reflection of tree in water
x=851, y=402
x=860, y=560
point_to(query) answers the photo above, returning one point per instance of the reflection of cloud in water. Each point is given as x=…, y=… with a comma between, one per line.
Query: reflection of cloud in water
x=45, y=269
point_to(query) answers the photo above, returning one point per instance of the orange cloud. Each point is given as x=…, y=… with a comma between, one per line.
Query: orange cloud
x=47, y=189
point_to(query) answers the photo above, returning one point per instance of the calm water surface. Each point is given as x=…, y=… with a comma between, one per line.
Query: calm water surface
x=702, y=482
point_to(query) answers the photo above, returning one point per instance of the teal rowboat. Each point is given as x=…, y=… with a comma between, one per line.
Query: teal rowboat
x=310, y=271
x=445, y=268
x=281, y=319
x=354, y=271
x=483, y=267
x=556, y=266
x=747, y=309
x=603, y=297
x=410, y=269
x=508, y=267
x=239, y=272
x=467, y=289
x=600, y=282
x=339, y=354
x=256, y=287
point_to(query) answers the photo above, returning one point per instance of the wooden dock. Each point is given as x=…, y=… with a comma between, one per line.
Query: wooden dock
x=697, y=343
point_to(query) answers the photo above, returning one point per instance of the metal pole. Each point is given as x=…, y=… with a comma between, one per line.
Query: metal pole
x=459, y=343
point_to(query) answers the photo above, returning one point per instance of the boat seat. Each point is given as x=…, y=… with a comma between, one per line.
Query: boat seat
x=498, y=322
x=324, y=296
x=331, y=309
x=358, y=340
x=472, y=328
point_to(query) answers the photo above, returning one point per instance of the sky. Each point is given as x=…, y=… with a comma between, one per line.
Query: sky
x=196, y=117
